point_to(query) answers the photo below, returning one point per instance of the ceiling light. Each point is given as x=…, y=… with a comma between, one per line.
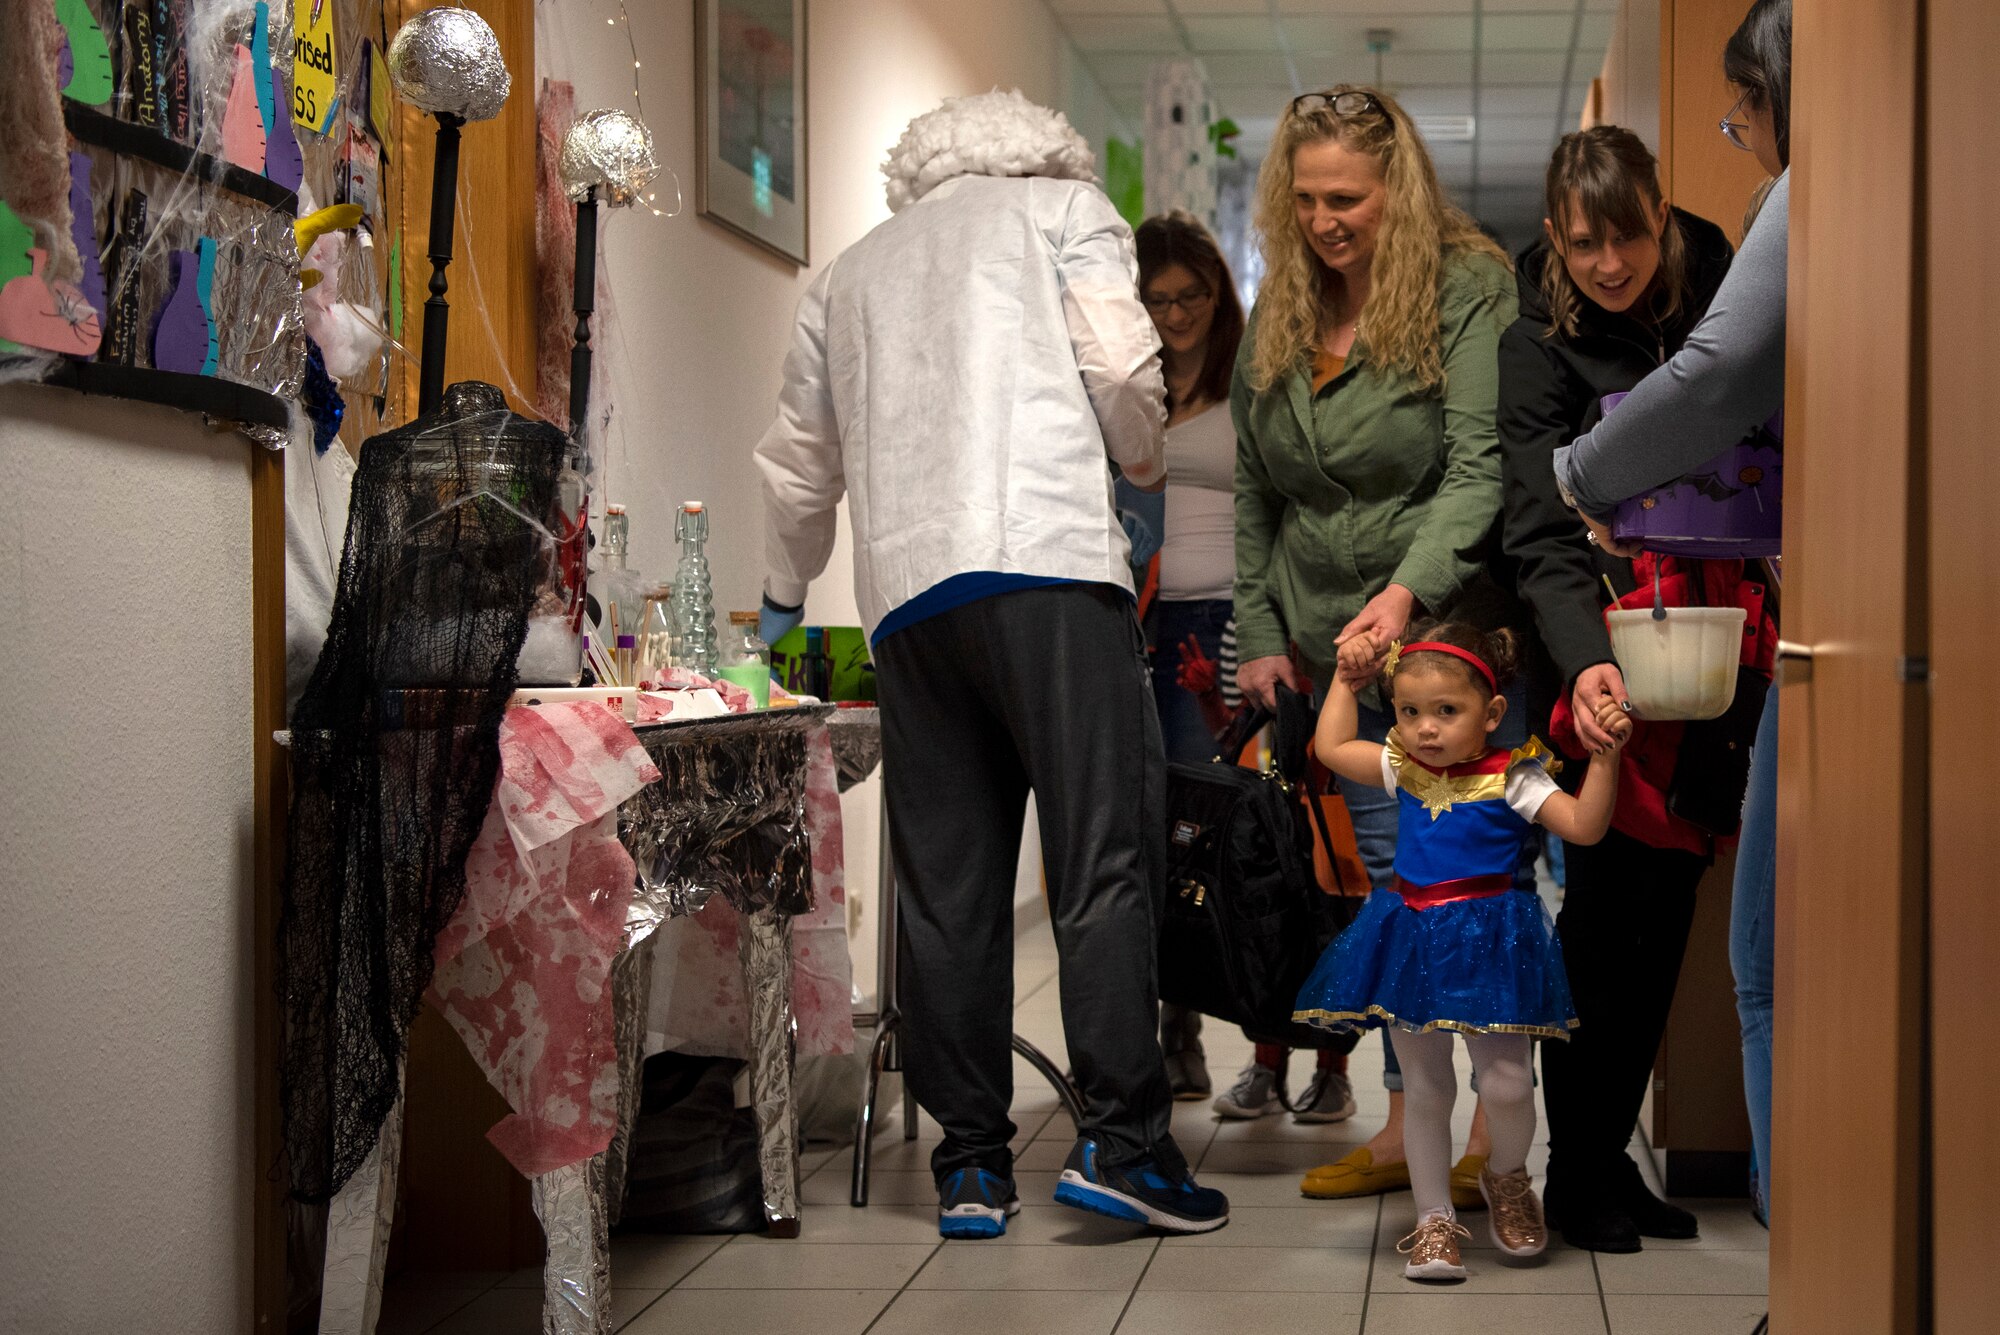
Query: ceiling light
x=1446, y=129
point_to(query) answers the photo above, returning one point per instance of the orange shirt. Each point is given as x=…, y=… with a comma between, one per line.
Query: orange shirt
x=1326, y=367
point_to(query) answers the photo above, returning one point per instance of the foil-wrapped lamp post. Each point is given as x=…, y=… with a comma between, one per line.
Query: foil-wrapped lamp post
x=446, y=62
x=607, y=155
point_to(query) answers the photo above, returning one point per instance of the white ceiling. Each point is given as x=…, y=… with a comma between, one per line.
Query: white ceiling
x=1522, y=68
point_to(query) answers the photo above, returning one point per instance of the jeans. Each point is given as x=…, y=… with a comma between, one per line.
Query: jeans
x=1186, y=736
x=1752, y=914
x=1512, y=732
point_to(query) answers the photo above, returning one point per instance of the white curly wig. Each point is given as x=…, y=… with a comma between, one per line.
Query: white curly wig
x=987, y=134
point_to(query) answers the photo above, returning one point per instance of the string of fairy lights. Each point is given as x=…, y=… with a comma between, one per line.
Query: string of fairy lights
x=624, y=20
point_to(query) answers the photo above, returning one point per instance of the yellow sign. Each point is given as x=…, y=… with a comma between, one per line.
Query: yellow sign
x=315, y=72
x=378, y=94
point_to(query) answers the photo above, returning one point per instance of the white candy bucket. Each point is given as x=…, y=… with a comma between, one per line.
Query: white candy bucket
x=1683, y=667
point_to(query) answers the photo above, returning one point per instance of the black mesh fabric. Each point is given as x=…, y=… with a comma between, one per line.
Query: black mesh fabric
x=455, y=526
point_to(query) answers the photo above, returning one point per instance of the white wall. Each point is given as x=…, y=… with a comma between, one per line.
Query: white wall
x=1631, y=73
x=699, y=320
x=125, y=831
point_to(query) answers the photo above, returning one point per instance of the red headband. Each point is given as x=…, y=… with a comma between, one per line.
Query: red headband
x=1433, y=647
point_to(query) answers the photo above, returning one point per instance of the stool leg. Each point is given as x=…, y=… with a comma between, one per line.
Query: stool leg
x=1072, y=1103
x=576, y=1275
x=357, y=1236
x=864, y=1122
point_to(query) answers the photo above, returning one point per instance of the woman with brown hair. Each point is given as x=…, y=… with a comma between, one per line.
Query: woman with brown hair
x=1186, y=288
x=1368, y=471
x=1612, y=291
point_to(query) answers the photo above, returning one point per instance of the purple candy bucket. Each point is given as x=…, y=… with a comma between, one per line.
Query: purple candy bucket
x=1730, y=506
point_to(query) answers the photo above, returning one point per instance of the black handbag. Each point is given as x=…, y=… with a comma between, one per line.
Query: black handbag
x=1245, y=918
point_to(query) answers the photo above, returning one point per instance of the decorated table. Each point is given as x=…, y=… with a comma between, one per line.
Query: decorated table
x=600, y=833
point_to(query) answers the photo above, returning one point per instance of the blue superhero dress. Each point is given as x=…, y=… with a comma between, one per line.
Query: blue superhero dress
x=1454, y=945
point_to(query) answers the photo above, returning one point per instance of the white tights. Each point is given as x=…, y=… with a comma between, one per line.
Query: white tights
x=1430, y=1085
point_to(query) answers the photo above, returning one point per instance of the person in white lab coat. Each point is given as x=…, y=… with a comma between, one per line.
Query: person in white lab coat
x=966, y=375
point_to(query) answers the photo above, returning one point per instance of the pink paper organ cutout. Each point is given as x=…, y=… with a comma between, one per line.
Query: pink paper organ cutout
x=42, y=314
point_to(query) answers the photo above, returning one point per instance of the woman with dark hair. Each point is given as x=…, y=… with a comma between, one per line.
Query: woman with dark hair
x=1612, y=290
x=1727, y=379
x=1186, y=288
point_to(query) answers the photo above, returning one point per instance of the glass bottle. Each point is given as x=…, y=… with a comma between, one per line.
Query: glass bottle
x=746, y=659
x=659, y=635
x=694, y=599
x=615, y=586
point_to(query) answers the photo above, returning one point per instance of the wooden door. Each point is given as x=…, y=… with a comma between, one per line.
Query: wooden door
x=1962, y=283
x=1849, y=1121
x=1700, y=170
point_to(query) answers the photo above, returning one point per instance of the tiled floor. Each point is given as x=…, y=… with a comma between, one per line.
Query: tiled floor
x=1284, y=1264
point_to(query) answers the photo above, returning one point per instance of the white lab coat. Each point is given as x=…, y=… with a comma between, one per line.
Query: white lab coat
x=962, y=373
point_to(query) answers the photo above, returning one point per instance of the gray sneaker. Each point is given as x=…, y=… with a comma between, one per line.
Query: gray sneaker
x=1329, y=1098
x=1254, y=1094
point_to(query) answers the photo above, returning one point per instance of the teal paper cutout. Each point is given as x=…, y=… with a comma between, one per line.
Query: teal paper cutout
x=204, y=291
x=260, y=69
x=90, y=57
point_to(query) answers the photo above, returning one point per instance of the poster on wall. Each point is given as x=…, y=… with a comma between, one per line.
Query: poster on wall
x=750, y=112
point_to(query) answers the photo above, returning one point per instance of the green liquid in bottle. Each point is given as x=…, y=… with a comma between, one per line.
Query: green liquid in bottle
x=752, y=677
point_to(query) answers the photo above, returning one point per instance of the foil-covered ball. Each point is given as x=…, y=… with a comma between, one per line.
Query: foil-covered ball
x=611, y=150
x=448, y=61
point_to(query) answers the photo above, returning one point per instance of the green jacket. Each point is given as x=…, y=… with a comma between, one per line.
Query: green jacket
x=1371, y=481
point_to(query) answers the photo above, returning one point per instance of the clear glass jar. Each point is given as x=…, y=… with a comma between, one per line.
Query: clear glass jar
x=659, y=635
x=745, y=659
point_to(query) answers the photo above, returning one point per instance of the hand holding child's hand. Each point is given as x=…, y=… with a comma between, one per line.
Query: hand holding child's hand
x=1358, y=659
x=1615, y=722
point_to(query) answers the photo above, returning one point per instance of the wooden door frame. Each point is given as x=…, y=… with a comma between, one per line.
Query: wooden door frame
x=1848, y=1174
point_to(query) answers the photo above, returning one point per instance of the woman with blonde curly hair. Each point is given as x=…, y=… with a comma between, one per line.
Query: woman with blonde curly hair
x=1367, y=467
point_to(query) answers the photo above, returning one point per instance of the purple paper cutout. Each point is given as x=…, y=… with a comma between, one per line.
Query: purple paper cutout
x=282, y=162
x=84, y=234
x=181, y=330
x=65, y=63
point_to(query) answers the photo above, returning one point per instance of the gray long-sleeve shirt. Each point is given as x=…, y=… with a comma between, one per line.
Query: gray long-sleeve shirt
x=1728, y=378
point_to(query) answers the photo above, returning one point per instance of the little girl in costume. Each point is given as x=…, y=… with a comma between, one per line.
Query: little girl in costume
x=1454, y=946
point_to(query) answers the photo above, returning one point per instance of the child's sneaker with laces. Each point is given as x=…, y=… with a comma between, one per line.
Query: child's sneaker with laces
x=1157, y=1190
x=973, y=1203
x=1516, y=1214
x=1433, y=1249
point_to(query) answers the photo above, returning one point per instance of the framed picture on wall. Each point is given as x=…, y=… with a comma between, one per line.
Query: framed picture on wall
x=750, y=119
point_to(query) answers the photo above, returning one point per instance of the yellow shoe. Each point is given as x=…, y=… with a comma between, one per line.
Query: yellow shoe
x=1465, y=1193
x=1359, y=1175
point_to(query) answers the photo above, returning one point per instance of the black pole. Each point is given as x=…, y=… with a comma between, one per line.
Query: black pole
x=437, y=311
x=585, y=300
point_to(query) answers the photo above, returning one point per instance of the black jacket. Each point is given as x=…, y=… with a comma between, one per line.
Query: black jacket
x=1548, y=385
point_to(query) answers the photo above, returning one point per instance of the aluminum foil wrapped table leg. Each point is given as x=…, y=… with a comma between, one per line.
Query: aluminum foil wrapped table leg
x=576, y=1276
x=766, y=946
x=632, y=994
x=357, y=1236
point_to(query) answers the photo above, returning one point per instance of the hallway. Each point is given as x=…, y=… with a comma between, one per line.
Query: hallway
x=1283, y=1264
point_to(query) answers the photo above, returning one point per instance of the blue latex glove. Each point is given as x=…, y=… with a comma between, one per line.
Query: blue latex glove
x=1144, y=518
x=773, y=623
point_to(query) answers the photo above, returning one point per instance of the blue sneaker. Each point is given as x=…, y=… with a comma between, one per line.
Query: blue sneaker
x=973, y=1203
x=1149, y=1191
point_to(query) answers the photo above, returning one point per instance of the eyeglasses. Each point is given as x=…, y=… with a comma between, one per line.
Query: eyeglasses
x=1732, y=129
x=1342, y=104
x=1190, y=303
